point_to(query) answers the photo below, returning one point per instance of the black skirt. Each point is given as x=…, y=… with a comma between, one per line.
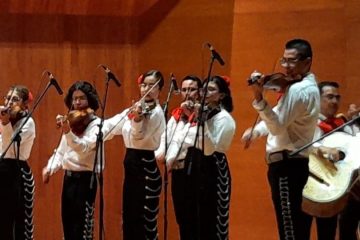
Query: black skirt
x=141, y=192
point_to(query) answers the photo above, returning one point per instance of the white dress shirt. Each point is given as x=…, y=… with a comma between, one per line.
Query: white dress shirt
x=77, y=153
x=27, y=138
x=144, y=135
x=291, y=123
x=219, y=132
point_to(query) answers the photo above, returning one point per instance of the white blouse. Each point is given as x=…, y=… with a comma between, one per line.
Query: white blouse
x=77, y=153
x=27, y=138
x=144, y=135
x=219, y=132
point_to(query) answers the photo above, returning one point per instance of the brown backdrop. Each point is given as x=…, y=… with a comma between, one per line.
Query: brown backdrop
x=71, y=38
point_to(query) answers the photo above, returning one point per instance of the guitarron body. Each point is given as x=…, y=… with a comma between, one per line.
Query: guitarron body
x=326, y=190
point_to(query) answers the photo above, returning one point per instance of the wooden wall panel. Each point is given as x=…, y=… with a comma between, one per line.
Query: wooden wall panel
x=71, y=39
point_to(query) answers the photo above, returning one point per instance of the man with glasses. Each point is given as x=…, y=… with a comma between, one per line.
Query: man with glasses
x=289, y=125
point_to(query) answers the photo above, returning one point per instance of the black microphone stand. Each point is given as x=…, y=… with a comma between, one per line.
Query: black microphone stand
x=16, y=135
x=195, y=175
x=99, y=151
x=166, y=105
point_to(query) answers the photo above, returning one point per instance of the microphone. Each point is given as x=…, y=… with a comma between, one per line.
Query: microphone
x=110, y=75
x=54, y=83
x=215, y=54
x=174, y=84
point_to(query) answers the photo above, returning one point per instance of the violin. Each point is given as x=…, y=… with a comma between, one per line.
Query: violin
x=78, y=120
x=276, y=81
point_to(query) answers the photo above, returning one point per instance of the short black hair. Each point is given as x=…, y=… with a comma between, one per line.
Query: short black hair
x=193, y=78
x=156, y=74
x=323, y=84
x=302, y=46
x=88, y=89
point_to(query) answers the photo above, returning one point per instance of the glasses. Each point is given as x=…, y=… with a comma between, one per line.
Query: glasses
x=290, y=61
x=12, y=99
x=332, y=96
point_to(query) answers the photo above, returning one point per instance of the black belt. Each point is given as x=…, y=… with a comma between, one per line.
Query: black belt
x=281, y=156
x=78, y=174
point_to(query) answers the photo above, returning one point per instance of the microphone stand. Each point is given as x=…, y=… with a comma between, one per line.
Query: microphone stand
x=166, y=105
x=324, y=136
x=99, y=151
x=16, y=135
x=201, y=123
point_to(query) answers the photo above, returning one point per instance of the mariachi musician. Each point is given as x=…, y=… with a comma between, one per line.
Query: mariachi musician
x=76, y=155
x=16, y=179
x=328, y=121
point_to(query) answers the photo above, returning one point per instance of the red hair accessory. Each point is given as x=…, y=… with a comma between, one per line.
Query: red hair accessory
x=227, y=80
x=140, y=79
x=30, y=97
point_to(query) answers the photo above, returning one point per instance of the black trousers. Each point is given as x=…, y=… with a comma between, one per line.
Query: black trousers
x=287, y=179
x=141, y=192
x=16, y=200
x=202, y=199
x=349, y=219
x=77, y=205
x=326, y=227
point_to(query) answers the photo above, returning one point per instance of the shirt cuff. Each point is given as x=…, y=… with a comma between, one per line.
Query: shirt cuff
x=259, y=106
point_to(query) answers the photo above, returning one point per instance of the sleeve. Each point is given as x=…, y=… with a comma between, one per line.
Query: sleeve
x=27, y=133
x=277, y=120
x=113, y=126
x=220, y=137
x=85, y=143
x=171, y=125
x=261, y=129
x=180, y=142
x=151, y=127
x=56, y=159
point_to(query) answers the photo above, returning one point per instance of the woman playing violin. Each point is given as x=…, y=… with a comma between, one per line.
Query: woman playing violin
x=141, y=131
x=76, y=155
x=16, y=179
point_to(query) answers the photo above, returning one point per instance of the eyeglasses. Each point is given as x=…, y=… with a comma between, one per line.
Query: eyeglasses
x=332, y=96
x=290, y=61
x=12, y=99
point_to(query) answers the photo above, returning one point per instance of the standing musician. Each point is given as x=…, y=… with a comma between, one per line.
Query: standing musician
x=328, y=120
x=76, y=155
x=349, y=218
x=181, y=120
x=141, y=127
x=289, y=125
x=16, y=179
x=208, y=188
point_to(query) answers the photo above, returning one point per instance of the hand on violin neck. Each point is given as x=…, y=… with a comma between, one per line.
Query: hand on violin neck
x=63, y=123
x=4, y=115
